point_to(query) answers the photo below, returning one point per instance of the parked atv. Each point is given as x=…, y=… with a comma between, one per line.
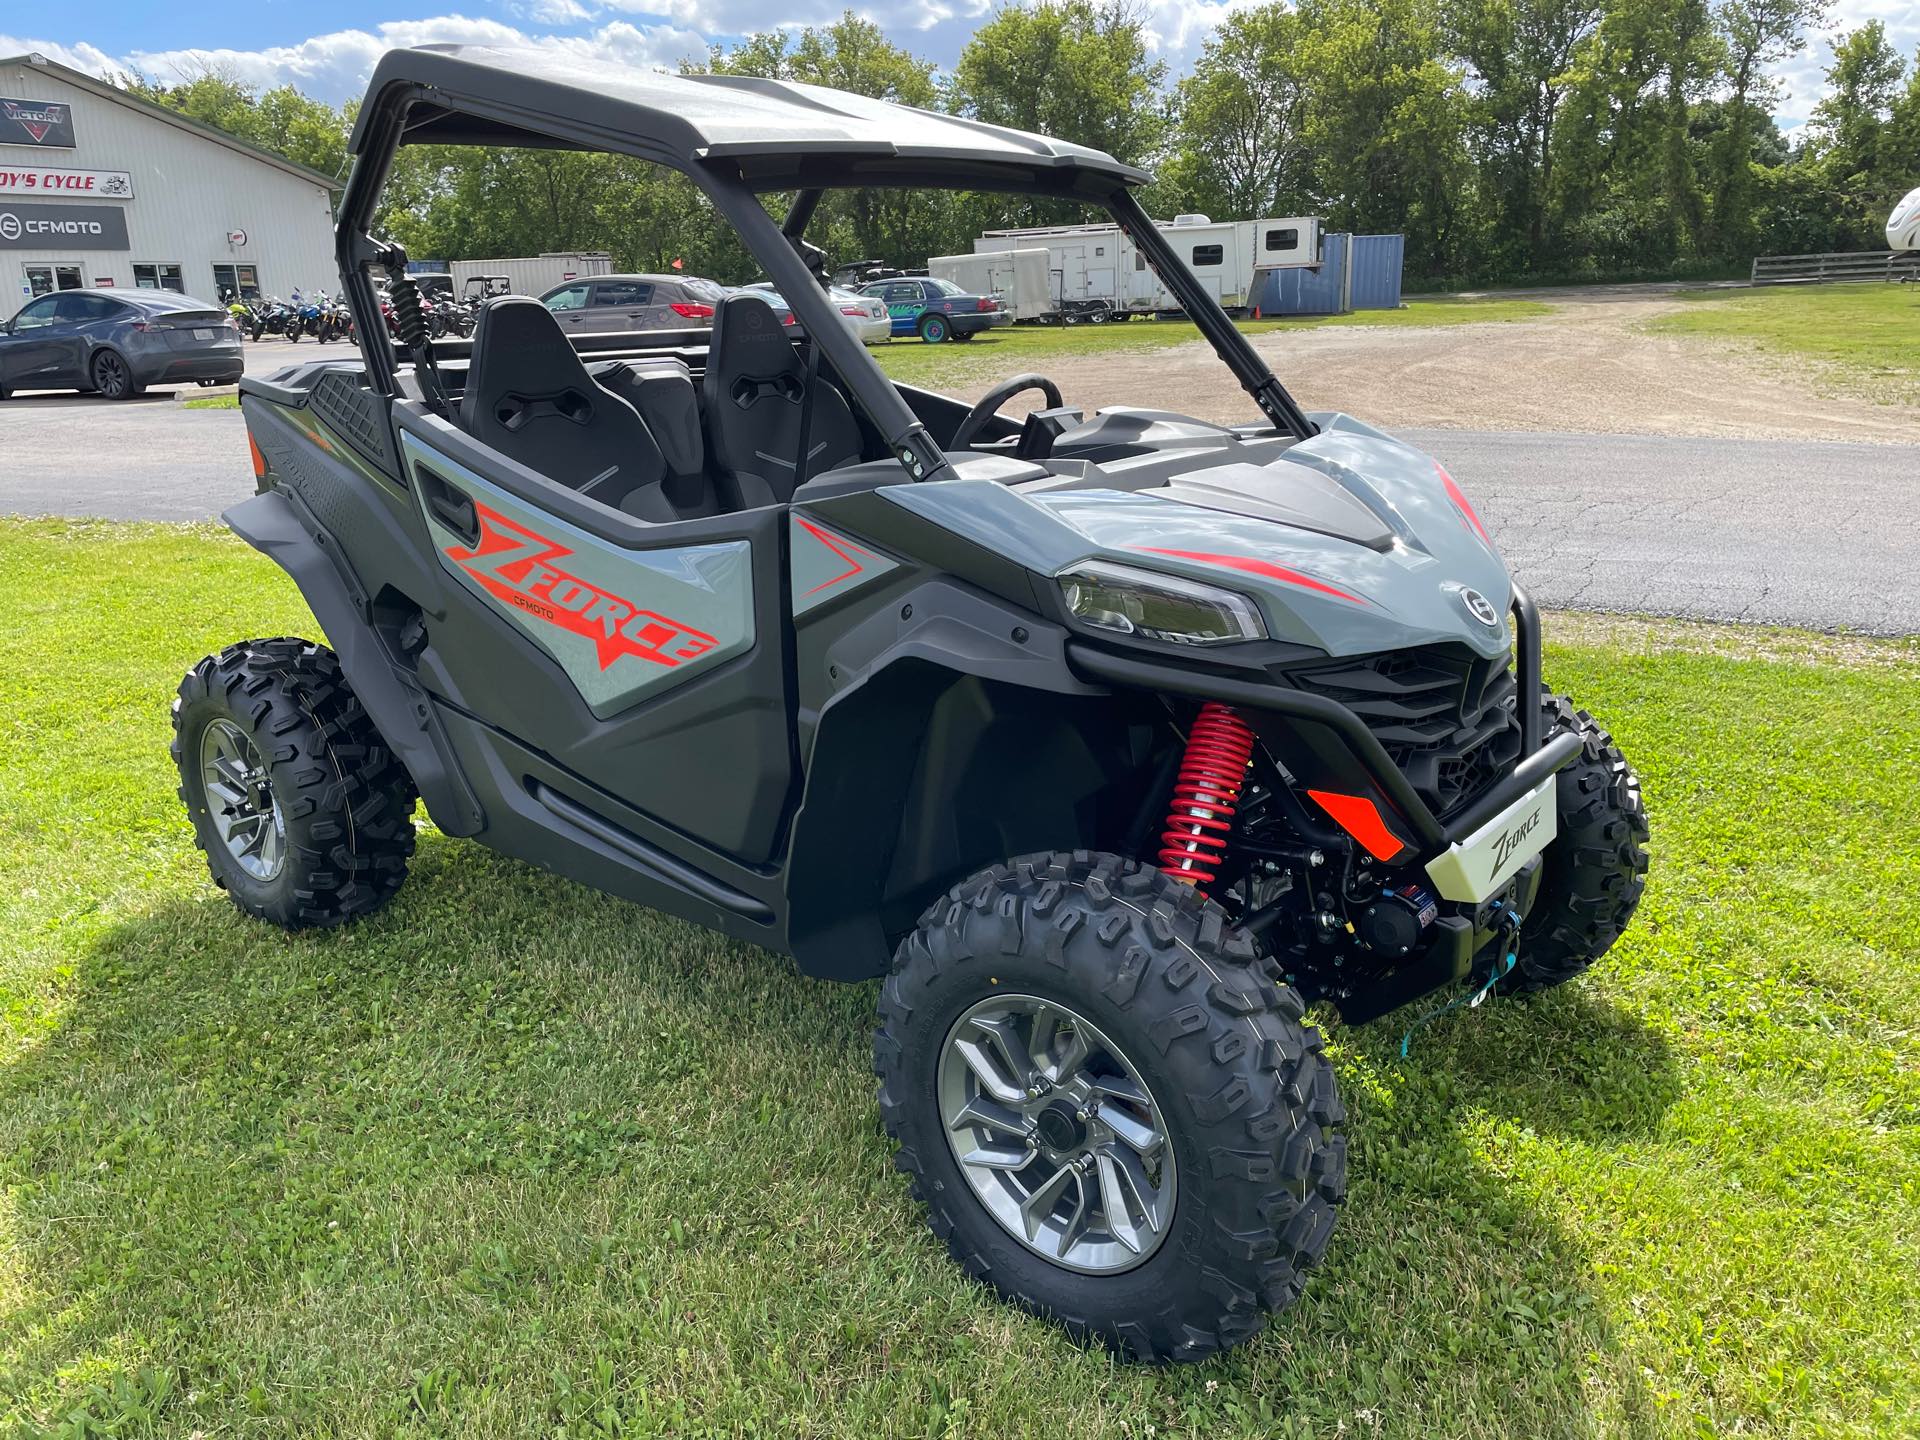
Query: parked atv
x=1109, y=742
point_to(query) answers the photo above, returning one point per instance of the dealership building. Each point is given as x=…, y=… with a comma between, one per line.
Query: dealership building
x=100, y=188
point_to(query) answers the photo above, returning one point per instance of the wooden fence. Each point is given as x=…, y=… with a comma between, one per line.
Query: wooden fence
x=1879, y=265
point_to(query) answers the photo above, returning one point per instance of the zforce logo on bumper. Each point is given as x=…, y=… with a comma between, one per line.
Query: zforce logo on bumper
x=520, y=568
x=1508, y=844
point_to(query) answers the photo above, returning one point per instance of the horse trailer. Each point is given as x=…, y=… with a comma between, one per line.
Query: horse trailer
x=1096, y=267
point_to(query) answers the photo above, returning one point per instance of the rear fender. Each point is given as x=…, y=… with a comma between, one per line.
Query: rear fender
x=281, y=529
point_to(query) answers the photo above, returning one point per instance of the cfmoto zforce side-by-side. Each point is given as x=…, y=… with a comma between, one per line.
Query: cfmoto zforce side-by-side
x=1111, y=741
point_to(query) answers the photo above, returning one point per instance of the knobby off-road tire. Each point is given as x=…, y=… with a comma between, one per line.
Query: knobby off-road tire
x=1246, y=1093
x=1595, y=870
x=342, y=800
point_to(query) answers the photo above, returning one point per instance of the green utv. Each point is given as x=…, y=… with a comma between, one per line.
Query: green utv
x=1110, y=741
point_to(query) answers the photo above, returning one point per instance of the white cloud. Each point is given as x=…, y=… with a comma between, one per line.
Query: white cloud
x=335, y=66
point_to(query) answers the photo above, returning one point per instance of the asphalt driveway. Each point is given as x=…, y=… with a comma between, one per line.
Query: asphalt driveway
x=1789, y=532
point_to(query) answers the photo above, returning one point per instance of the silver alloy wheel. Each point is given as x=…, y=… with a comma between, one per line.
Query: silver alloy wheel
x=240, y=800
x=1057, y=1134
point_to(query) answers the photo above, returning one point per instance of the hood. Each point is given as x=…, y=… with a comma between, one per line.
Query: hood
x=1350, y=542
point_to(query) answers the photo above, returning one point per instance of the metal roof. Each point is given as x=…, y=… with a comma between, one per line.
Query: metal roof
x=80, y=80
x=778, y=132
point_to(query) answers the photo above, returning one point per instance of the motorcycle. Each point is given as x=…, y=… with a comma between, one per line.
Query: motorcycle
x=306, y=318
x=335, y=322
x=271, y=317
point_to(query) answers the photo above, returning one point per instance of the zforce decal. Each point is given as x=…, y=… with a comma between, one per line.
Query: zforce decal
x=518, y=567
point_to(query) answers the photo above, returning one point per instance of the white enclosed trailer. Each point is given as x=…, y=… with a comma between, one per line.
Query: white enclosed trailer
x=534, y=274
x=1095, y=265
x=1018, y=279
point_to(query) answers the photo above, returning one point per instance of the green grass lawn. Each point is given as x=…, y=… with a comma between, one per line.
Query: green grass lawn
x=512, y=1158
x=1027, y=346
x=1868, y=334
x=213, y=402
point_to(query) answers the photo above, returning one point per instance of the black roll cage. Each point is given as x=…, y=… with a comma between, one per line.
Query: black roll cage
x=734, y=183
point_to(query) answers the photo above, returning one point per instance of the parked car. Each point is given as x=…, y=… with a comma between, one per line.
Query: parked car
x=937, y=310
x=600, y=303
x=118, y=342
x=865, y=316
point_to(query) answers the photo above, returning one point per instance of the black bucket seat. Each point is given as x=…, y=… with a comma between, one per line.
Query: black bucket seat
x=753, y=388
x=529, y=396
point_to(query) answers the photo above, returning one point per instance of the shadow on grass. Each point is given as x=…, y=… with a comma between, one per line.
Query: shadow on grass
x=509, y=1122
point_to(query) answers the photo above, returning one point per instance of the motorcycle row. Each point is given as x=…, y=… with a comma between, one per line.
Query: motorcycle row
x=327, y=317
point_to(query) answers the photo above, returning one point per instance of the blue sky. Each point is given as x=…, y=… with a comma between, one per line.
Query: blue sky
x=329, y=50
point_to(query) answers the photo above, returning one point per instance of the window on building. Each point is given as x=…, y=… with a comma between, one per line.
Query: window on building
x=1283, y=239
x=1208, y=254
x=45, y=279
x=159, y=277
x=240, y=281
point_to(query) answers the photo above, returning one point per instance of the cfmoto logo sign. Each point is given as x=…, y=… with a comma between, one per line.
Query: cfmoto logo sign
x=10, y=226
x=1479, y=607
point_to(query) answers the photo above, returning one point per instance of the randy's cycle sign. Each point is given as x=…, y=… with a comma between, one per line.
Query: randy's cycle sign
x=62, y=227
x=45, y=124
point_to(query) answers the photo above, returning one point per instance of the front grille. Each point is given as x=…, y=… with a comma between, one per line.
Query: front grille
x=1444, y=713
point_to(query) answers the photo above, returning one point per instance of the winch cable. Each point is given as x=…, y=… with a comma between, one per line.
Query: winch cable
x=1509, y=918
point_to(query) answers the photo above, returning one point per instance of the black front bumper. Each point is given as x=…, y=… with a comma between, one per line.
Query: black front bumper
x=1538, y=758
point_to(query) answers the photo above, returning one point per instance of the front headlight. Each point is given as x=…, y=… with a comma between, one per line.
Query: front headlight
x=1156, y=606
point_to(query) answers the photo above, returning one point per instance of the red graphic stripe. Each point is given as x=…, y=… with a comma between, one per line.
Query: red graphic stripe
x=1264, y=568
x=1360, y=818
x=839, y=545
x=519, y=567
x=1459, y=498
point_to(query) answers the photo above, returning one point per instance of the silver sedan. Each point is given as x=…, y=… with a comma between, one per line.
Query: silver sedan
x=866, y=318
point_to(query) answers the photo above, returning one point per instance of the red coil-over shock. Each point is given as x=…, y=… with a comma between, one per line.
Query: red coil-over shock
x=1205, y=793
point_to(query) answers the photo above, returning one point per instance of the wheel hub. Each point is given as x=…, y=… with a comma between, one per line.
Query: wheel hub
x=1060, y=1129
x=240, y=800
x=1057, y=1134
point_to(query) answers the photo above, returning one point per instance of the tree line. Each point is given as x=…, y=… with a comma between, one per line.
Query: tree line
x=1508, y=139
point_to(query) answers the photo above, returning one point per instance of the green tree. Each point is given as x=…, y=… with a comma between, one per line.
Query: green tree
x=1385, y=122
x=1851, y=145
x=1239, y=142
x=1757, y=35
x=1522, y=57
x=1076, y=69
x=853, y=54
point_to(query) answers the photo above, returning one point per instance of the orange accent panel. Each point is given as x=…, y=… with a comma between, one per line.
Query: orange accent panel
x=1361, y=819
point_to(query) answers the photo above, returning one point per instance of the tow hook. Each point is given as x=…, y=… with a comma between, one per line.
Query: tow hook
x=1508, y=919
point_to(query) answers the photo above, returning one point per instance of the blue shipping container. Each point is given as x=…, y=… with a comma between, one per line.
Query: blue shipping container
x=1373, y=271
x=1304, y=289
x=1356, y=272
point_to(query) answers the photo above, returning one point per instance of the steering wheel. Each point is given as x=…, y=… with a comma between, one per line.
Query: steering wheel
x=989, y=405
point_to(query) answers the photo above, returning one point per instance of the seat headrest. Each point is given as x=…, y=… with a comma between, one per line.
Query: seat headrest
x=522, y=366
x=752, y=352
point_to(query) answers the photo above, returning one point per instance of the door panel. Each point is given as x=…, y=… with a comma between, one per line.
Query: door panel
x=623, y=624
x=34, y=355
x=650, y=660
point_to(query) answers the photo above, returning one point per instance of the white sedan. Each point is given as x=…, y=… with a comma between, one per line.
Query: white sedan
x=864, y=316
